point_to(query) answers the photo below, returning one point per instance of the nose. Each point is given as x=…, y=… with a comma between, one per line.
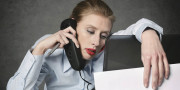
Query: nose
x=96, y=40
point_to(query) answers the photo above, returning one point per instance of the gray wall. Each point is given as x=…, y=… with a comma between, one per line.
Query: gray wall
x=22, y=22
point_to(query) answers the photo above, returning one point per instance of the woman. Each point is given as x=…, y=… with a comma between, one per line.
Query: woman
x=94, y=22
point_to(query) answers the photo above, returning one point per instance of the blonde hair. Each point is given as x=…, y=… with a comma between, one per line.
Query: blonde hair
x=87, y=7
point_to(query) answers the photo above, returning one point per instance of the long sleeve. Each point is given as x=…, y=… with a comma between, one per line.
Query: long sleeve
x=135, y=29
x=27, y=76
x=138, y=28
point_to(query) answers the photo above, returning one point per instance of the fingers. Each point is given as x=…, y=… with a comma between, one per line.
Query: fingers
x=166, y=65
x=161, y=70
x=67, y=33
x=70, y=30
x=70, y=36
x=65, y=39
x=62, y=42
x=155, y=72
x=59, y=37
x=158, y=74
x=147, y=68
x=160, y=67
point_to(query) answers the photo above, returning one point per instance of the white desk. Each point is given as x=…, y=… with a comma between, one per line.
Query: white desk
x=132, y=79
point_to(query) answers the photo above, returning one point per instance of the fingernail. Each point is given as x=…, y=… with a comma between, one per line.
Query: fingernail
x=154, y=87
x=145, y=85
x=159, y=83
x=166, y=77
x=77, y=46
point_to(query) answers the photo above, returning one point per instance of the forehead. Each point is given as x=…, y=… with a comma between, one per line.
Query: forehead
x=98, y=21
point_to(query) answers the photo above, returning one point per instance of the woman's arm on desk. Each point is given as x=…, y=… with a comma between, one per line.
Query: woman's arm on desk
x=152, y=52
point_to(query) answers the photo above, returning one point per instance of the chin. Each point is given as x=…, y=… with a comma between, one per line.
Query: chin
x=87, y=57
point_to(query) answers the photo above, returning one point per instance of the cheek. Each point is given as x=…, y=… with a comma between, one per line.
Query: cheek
x=82, y=39
x=102, y=48
x=102, y=44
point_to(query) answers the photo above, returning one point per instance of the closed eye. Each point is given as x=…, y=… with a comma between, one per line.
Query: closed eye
x=90, y=32
x=103, y=37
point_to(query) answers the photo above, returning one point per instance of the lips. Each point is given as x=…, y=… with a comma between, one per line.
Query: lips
x=90, y=51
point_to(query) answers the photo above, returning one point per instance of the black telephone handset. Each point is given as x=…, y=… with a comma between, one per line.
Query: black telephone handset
x=73, y=53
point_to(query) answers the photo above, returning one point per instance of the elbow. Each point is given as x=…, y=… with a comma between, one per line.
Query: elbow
x=15, y=83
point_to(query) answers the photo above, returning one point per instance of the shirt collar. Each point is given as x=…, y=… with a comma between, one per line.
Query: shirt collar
x=66, y=63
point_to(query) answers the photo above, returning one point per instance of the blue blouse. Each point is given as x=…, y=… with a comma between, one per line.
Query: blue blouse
x=56, y=70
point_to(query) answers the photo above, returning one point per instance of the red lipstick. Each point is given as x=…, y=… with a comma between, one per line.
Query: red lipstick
x=90, y=51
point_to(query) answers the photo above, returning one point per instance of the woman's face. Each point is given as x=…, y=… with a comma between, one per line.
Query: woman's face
x=92, y=32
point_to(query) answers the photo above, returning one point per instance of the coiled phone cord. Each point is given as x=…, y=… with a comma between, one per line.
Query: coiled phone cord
x=85, y=80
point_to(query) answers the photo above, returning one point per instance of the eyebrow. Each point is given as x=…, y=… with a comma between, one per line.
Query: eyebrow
x=91, y=26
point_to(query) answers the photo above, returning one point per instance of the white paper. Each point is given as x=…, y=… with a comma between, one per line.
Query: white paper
x=132, y=79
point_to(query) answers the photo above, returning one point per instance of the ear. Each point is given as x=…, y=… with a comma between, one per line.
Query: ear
x=102, y=49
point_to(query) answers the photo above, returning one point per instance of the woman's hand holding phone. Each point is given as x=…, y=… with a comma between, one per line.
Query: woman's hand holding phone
x=58, y=37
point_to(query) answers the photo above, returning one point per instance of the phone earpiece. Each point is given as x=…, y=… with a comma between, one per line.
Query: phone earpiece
x=68, y=22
